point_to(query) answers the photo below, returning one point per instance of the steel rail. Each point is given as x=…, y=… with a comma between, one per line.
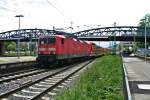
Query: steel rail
x=21, y=76
x=30, y=83
x=18, y=72
x=59, y=82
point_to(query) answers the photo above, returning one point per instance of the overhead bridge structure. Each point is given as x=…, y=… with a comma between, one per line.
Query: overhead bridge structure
x=28, y=34
x=118, y=33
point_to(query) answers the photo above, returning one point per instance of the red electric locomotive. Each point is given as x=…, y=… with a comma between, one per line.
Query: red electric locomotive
x=59, y=48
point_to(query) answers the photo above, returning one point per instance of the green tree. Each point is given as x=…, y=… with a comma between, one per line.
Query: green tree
x=10, y=46
x=142, y=21
x=6, y=44
x=142, y=24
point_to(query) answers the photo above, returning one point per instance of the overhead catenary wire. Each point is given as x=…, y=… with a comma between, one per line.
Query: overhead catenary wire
x=55, y=7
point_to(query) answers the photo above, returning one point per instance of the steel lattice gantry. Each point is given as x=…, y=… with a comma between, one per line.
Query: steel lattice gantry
x=119, y=33
x=27, y=34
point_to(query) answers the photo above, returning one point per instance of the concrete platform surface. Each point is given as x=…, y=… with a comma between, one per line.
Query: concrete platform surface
x=138, y=73
x=15, y=59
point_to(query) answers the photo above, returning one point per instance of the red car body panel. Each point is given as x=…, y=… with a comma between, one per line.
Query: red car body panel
x=59, y=47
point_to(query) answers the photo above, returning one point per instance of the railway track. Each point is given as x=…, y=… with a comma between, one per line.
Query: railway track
x=11, y=82
x=18, y=72
x=21, y=75
x=39, y=85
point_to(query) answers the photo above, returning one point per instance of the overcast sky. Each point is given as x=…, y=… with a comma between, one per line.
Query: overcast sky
x=60, y=13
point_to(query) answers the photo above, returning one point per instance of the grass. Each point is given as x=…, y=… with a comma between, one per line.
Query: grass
x=103, y=81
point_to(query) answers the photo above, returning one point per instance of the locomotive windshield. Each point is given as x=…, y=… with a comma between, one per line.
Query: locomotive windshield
x=47, y=40
x=51, y=40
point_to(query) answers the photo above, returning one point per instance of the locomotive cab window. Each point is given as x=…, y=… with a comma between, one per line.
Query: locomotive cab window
x=47, y=41
x=51, y=40
x=62, y=41
x=42, y=41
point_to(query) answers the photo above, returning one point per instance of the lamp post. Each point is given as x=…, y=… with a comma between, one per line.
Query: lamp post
x=134, y=50
x=114, y=38
x=30, y=44
x=145, y=37
x=18, y=41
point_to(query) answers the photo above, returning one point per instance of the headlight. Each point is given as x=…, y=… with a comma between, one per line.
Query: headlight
x=42, y=49
x=52, y=49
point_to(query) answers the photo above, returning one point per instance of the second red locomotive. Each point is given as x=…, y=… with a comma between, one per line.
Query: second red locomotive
x=59, y=48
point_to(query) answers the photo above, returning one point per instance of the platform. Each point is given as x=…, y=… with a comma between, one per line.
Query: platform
x=15, y=59
x=138, y=73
